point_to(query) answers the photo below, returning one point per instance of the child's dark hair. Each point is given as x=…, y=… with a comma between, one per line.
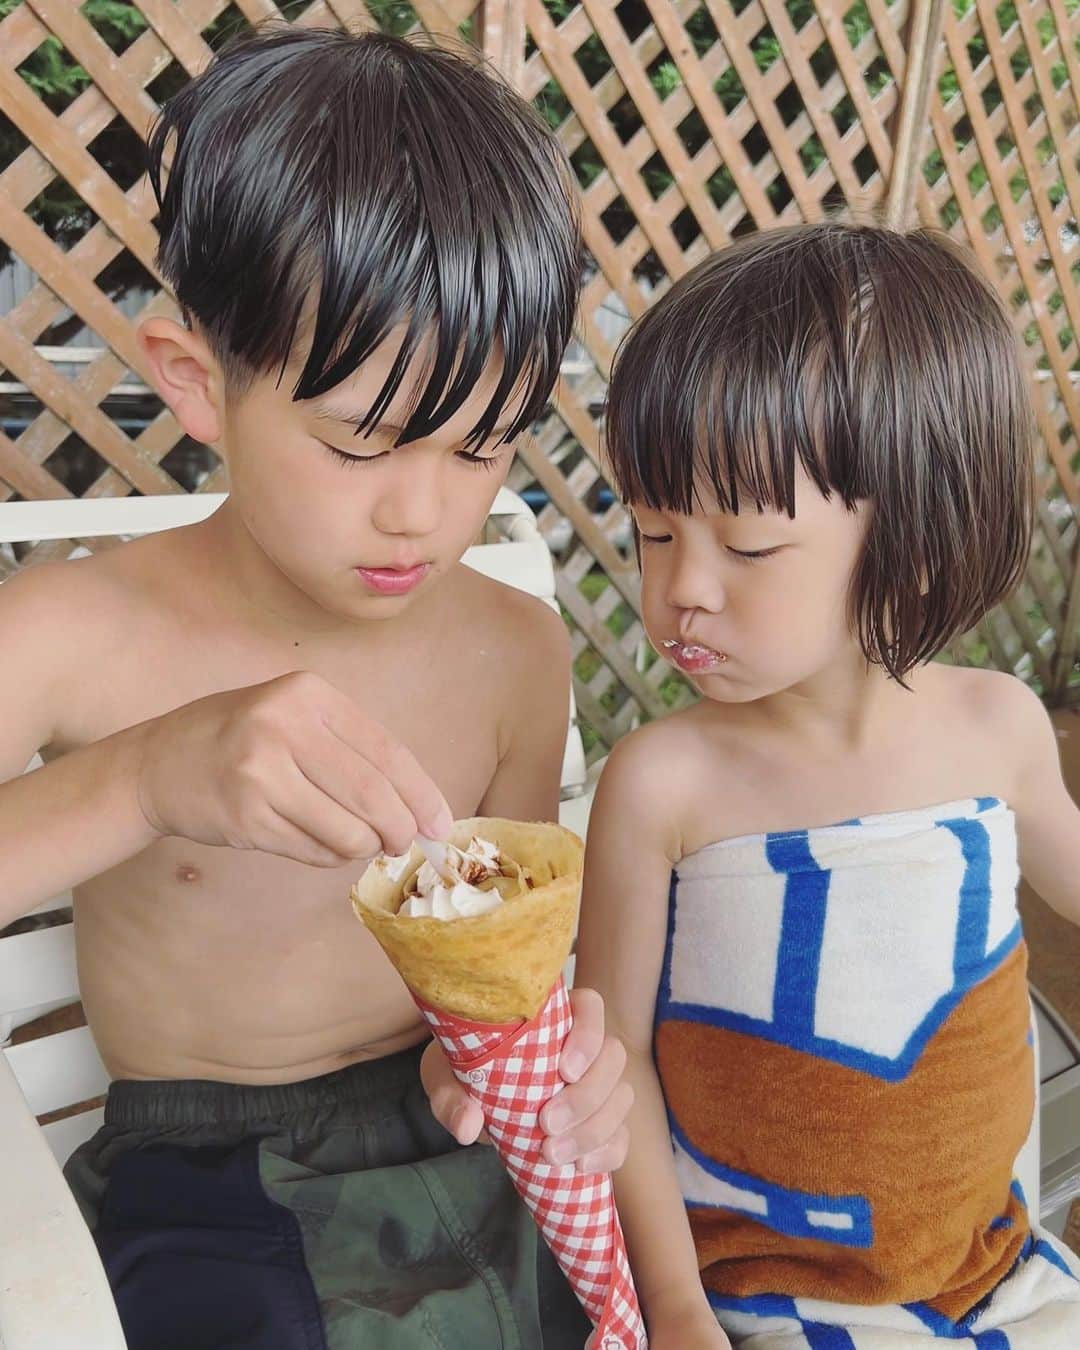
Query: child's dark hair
x=881, y=361
x=326, y=187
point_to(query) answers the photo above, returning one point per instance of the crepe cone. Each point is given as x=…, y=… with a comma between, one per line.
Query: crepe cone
x=491, y=988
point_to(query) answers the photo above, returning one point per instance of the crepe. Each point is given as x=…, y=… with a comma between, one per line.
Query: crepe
x=494, y=967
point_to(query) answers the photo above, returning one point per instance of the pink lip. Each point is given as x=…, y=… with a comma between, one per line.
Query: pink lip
x=694, y=659
x=393, y=580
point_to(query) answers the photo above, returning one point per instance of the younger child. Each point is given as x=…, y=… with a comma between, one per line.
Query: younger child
x=800, y=893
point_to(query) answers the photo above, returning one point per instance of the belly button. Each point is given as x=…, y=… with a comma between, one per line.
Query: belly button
x=186, y=872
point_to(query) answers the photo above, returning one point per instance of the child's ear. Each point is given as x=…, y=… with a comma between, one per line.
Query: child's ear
x=187, y=375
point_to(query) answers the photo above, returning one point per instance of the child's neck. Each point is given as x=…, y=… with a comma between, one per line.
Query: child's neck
x=844, y=708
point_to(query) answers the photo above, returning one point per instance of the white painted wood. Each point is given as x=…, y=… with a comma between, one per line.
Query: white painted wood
x=101, y=517
x=59, y=1070
x=53, y=1291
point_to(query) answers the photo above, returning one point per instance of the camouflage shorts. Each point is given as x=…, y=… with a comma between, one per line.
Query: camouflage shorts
x=332, y=1214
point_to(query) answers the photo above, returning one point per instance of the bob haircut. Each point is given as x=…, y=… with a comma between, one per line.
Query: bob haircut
x=326, y=187
x=883, y=363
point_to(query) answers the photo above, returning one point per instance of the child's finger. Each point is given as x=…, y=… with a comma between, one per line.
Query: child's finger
x=306, y=805
x=360, y=792
x=586, y=1035
x=393, y=761
x=578, y=1101
x=596, y=1140
x=609, y=1158
x=455, y=1110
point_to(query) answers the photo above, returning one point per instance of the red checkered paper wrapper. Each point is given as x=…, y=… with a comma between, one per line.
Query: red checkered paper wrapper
x=490, y=985
x=512, y=1069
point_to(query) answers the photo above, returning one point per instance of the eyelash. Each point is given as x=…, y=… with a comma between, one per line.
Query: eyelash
x=351, y=461
x=750, y=556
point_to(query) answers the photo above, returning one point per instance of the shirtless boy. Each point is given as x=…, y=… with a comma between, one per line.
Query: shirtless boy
x=375, y=250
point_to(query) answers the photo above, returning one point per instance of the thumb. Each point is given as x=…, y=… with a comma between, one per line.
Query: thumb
x=451, y=1105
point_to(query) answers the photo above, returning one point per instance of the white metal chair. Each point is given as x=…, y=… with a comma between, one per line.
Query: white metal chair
x=53, y=1293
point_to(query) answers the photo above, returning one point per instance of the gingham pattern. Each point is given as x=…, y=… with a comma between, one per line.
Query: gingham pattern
x=512, y=1070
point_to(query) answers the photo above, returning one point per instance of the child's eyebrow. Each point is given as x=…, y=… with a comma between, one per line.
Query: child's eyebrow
x=328, y=412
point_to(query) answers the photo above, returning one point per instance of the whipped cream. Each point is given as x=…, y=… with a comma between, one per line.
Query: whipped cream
x=429, y=896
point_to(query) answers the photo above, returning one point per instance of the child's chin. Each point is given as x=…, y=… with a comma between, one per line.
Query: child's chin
x=719, y=687
x=721, y=692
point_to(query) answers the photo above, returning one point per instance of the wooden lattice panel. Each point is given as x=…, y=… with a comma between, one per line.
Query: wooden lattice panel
x=1000, y=172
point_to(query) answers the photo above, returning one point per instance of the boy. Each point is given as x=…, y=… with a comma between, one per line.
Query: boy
x=376, y=254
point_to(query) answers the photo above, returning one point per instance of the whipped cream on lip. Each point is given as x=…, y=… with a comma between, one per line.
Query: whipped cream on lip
x=693, y=657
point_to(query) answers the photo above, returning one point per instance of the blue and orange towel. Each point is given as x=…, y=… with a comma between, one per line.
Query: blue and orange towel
x=843, y=1039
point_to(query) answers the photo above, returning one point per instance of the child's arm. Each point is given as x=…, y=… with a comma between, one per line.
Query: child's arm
x=1048, y=820
x=291, y=767
x=586, y=1122
x=621, y=937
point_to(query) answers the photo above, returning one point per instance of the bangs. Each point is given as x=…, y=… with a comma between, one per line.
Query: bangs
x=444, y=242
x=728, y=383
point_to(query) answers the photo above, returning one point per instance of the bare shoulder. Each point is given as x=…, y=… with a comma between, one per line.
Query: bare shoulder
x=652, y=777
x=75, y=598
x=999, y=710
x=988, y=698
x=63, y=624
x=530, y=635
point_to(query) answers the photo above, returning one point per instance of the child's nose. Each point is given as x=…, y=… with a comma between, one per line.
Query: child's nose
x=412, y=504
x=693, y=585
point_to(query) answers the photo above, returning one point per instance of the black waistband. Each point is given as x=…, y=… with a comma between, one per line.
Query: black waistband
x=163, y=1102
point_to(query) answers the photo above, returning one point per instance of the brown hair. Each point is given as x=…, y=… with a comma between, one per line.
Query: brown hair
x=885, y=364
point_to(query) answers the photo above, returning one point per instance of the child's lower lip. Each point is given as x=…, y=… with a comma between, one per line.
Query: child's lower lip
x=393, y=580
x=695, y=660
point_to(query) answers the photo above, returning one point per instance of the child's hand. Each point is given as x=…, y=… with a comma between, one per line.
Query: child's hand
x=291, y=767
x=585, y=1123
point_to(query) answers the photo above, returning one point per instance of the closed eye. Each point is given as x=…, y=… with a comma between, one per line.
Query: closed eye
x=753, y=555
x=350, y=461
x=481, y=461
x=655, y=538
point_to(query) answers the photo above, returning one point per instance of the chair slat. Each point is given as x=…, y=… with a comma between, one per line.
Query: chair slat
x=37, y=968
x=57, y=1071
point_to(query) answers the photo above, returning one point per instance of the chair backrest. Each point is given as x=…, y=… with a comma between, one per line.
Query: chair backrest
x=37, y=967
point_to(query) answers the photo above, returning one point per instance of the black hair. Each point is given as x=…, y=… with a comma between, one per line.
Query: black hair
x=326, y=187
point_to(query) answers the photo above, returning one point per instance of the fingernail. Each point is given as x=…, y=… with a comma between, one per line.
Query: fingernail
x=440, y=827
x=572, y=1065
x=557, y=1119
x=563, y=1150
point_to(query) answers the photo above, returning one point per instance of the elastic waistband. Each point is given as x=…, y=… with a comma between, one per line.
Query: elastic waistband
x=370, y=1088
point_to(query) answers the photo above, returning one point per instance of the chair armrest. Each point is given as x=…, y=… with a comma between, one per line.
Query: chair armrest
x=53, y=1290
